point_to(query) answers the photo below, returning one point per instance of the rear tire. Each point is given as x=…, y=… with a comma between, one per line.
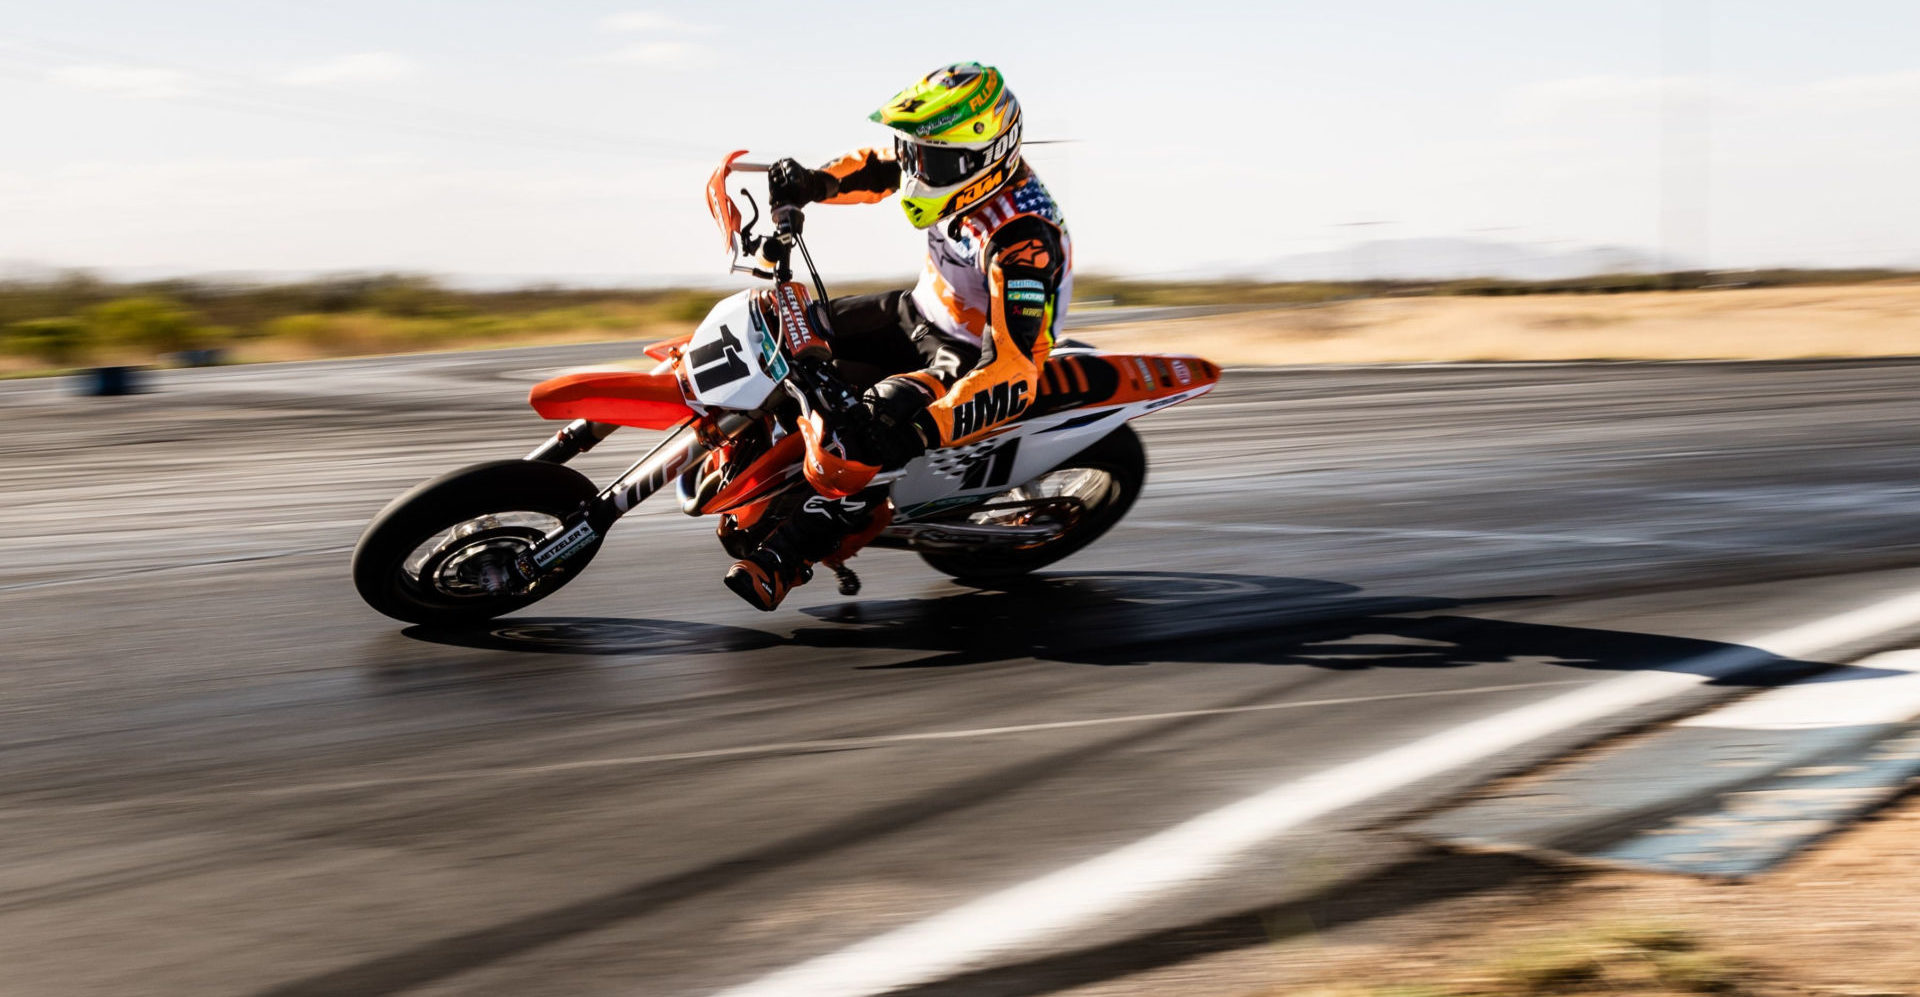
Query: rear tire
x=394, y=576
x=1118, y=454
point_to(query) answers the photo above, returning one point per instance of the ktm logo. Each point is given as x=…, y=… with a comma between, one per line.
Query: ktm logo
x=988, y=408
x=1030, y=253
x=977, y=190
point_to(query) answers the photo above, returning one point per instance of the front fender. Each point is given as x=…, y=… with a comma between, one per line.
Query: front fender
x=645, y=400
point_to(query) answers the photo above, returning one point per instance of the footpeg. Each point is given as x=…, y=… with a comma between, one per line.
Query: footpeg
x=849, y=583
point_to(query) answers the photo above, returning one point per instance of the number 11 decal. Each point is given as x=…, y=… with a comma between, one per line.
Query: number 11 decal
x=718, y=364
x=993, y=468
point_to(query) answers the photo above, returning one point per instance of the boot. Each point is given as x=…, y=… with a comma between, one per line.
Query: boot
x=814, y=532
x=764, y=577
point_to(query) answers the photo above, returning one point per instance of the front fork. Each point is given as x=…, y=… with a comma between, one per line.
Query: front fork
x=682, y=449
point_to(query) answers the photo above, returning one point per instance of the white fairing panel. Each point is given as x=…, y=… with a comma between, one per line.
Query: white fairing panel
x=1026, y=450
x=732, y=360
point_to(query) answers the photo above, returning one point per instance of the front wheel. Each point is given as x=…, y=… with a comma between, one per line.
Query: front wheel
x=442, y=553
x=1103, y=480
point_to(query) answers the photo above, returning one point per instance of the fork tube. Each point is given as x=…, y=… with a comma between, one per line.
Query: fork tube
x=682, y=449
x=573, y=439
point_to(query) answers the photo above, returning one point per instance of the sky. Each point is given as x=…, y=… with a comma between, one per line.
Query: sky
x=570, y=141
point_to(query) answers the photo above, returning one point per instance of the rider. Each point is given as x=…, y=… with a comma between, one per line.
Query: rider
x=965, y=345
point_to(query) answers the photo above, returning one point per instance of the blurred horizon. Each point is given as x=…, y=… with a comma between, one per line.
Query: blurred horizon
x=489, y=145
x=1437, y=258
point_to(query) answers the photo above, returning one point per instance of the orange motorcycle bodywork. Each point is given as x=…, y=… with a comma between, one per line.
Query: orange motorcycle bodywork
x=761, y=479
x=645, y=400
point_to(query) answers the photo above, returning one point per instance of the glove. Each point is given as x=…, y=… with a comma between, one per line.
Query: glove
x=790, y=184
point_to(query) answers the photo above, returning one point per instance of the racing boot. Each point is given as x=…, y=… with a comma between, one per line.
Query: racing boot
x=764, y=577
x=815, y=532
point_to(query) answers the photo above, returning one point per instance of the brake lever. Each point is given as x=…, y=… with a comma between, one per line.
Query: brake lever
x=747, y=239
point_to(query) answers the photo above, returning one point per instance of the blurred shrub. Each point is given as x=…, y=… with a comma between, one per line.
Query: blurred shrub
x=1123, y=292
x=154, y=324
x=688, y=306
x=312, y=329
x=66, y=295
x=410, y=297
x=56, y=342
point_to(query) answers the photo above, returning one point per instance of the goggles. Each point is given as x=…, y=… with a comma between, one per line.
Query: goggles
x=938, y=165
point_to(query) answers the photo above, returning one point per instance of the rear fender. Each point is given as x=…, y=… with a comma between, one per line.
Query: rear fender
x=1091, y=379
x=647, y=400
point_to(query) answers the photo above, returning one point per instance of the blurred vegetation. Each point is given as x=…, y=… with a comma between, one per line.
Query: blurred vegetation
x=77, y=319
x=1125, y=292
x=1117, y=291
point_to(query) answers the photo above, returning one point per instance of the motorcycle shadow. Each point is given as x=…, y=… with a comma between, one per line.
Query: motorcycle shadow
x=596, y=636
x=1137, y=618
x=1127, y=618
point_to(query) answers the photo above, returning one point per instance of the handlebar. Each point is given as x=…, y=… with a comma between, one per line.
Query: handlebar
x=789, y=222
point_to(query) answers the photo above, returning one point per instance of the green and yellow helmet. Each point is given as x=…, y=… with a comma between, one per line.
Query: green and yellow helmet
x=958, y=141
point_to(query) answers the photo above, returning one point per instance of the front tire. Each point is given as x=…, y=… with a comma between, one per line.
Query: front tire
x=436, y=554
x=1120, y=462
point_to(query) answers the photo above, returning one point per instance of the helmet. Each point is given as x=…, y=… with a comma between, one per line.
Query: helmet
x=958, y=141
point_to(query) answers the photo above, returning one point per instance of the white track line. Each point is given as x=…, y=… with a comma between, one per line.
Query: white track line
x=972, y=935
x=772, y=748
x=1883, y=689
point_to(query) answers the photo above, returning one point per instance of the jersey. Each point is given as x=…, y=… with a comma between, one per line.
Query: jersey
x=997, y=277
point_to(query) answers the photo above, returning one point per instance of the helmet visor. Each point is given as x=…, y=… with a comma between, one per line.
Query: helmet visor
x=938, y=165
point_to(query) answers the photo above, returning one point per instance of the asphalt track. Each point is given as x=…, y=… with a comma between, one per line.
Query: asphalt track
x=221, y=774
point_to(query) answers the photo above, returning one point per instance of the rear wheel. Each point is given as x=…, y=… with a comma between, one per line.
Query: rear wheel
x=1099, y=483
x=442, y=553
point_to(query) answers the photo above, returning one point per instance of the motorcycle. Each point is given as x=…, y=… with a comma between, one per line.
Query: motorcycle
x=749, y=402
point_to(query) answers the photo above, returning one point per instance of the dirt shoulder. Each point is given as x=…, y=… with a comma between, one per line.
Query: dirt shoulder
x=1840, y=921
x=1756, y=324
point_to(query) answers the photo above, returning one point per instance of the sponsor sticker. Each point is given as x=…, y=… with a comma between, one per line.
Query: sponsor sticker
x=770, y=359
x=977, y=190
x=1027, y=253
x=566, y=544
x=793, y=316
